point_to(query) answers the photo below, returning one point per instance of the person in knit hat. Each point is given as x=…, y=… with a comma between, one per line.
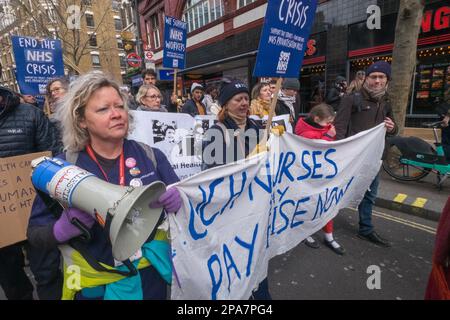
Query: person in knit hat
x=287, y=99
x=361, y=111
x=336, y=92
x=233, y=138
x=195, y=105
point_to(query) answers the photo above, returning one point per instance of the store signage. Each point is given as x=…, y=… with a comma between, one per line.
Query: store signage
x=148, y=55
x=284, y=38
x=436, y=19
x=175, y=36
x=37, y=62
x=311, y=45
x=134, y=60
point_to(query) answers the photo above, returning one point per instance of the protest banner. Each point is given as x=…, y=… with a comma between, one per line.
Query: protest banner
x=16, y=197
x=179, y=136
x=235, y=217
x=37, y=62
x=174, y=50
x=284, y=37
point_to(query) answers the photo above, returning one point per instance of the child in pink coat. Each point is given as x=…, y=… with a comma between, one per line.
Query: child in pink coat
x=319, y=125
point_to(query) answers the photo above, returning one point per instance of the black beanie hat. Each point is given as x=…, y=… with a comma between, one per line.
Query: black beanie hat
x=231, y=89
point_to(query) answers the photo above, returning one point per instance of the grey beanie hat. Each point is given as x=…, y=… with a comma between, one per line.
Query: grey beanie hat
x=291, y=83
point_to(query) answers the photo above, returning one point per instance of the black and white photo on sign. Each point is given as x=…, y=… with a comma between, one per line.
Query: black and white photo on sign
x=282, y=120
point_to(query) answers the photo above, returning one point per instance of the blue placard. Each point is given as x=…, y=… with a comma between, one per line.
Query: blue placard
x=37, y=62
x=165, y=75
x=174, y=43
x=283, y=41
x=136, y=81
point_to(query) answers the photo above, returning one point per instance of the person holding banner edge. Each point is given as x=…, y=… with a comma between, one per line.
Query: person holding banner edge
x=234, y=124
x=362, y=111
x=318, y=125
x=95, y=125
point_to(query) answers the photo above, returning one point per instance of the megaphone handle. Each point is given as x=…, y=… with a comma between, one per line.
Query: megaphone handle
x=85, y=234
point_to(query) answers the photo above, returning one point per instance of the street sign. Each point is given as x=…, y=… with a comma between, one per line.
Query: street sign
x=134, y=60
x=165, y=75
x=174, y=43
x=284, y=37
x=148, y=55
x=38, y=61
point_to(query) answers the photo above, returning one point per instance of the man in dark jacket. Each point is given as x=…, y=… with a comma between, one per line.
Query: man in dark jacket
x=25, y=129
x=361, y=111
x=336, y=93
x=195, y=105
x=288, y=99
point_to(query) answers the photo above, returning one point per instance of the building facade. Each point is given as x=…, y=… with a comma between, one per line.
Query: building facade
x=223, y=38
x=91, y=37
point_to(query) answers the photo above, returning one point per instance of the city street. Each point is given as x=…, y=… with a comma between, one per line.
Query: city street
x=215, y=133
x=304, y=273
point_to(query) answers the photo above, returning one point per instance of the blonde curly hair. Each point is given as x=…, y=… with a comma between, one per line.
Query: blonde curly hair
x=72, y=108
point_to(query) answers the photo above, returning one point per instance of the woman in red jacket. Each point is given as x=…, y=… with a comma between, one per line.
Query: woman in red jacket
x=319, y=125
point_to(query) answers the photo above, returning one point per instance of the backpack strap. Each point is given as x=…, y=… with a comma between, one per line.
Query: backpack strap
x=149, y=152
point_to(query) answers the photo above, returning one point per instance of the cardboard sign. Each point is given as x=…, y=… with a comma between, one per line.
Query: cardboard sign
x=284, y=37
x=16, y=197
x=38, y=61
x=175, y=36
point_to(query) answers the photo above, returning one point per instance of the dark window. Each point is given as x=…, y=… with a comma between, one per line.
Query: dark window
x=118, y=24
x=90, y=20
x=93, y=40
x=123, y=63
x=115, y=5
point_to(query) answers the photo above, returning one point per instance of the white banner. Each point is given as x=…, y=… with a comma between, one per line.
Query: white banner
x=236, y=217
x=179, y=136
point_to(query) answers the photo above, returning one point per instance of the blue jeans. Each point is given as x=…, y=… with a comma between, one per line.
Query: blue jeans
x=365, y=208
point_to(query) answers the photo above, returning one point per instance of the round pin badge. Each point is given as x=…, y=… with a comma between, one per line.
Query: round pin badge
x=135, y=171
x=130, y=162
x=136, y=182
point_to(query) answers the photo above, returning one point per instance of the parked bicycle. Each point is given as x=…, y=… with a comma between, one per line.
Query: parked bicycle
x=411, y=158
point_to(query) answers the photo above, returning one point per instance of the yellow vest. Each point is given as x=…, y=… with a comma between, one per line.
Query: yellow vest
x=78, y=274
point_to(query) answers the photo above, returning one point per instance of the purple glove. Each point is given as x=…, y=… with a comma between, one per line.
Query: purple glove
x=64, y=230
x=170, y=200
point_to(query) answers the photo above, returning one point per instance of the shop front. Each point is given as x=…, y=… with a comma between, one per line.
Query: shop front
x=313, y=72
x=431, y=80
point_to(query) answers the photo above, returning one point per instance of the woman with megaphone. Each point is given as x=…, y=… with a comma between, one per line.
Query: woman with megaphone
x=95, y=122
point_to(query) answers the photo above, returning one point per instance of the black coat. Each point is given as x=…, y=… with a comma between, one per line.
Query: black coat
x=239, y=149
x=333, y=98
x=191, y=108
x=25, y=129
x=350, y=121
